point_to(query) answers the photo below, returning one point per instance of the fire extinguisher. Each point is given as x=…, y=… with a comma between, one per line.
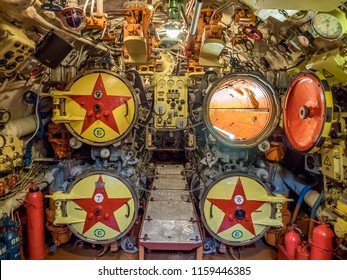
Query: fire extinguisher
x=11, y=238
x=322, y=243
x=292, y=240
x=35, y=223
x=302, y=252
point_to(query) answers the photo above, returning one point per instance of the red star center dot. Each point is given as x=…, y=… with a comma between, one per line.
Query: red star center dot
x=237, y=209
x=99, y=106
x=100, y=208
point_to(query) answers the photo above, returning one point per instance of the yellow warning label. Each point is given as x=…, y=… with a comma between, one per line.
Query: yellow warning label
x=327, y=161
x=327, y=74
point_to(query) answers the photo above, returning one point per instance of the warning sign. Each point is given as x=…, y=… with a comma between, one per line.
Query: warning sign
x=327, y=74
x=327, y=161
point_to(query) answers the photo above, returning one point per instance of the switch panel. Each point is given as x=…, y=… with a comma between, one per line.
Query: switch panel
x=170, y=97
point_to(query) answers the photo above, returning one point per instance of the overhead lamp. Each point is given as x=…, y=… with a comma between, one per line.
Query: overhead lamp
x=173, y=30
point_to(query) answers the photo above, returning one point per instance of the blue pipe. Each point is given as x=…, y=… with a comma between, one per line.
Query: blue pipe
x=302, y=194
x=299, y=202
x=316, y=205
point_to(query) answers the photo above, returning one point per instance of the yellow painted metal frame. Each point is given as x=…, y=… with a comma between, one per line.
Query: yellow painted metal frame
x=267, y=215
x=72, y=114
x=68, y=212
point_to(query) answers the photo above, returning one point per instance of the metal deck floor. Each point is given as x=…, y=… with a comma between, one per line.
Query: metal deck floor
x=170, y=221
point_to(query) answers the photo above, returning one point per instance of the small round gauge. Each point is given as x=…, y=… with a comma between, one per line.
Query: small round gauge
x=170, y=83
x=329, y=26
x=105, y=153
x=303, y=40
x=161, y=83
x=180, y=83
x=2, y=141
x=5, y=117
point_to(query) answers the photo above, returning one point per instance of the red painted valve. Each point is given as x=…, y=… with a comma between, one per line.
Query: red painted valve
x=252, y=33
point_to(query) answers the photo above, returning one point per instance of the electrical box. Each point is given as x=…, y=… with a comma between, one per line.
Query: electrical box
x=15, y=47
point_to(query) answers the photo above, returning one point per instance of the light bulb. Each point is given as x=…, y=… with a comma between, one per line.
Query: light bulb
x=172, y=33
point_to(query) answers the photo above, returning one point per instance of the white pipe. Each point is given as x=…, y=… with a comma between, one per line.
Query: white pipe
x=85, y=7
x=23, y=126
x=92, y=9
x=99, y=6
x=14, y=202
x=311, y=197
x=196, y=16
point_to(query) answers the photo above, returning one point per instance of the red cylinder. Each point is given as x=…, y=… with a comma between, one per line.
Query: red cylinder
x=292, y=240
x=35, y=224
x=322, y=243
x=302, y=253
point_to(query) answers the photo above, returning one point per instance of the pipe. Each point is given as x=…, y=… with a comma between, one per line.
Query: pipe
x=18, y=3
x=294, y=183
x=311, y=197
x=23, y=126
x=299, y=202
x=190, y=6
x=85, y=7
x=185, y=20
x=92, y=9
x=195, y=19
x=313, y=214
x=99, y=6
x=32, y=14
x=13, y=203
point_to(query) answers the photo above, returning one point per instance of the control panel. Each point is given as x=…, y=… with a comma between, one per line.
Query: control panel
x=170, y=102
x=15, y=47
x=10, y=162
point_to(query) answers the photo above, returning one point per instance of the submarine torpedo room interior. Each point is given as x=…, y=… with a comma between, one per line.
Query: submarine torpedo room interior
x=192, y=129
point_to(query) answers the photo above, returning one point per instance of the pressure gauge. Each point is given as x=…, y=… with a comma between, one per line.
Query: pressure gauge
x=105, y=153
x=161, y=83
x=330, y=25
x=5, y=116
x=170, y=83
x=303, y=40
x=2, y=141
x=180, y=83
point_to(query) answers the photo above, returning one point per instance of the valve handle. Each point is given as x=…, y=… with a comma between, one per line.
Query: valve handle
x=252, y=33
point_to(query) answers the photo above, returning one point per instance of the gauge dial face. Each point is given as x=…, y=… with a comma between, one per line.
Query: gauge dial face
x=303, y=40
x=2, y=141
x=327, y=26
x=6, y=117
x=161, y=83
x=170, y=83
x=105, y=153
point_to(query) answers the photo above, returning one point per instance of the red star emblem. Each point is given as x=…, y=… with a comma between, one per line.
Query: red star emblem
x=99, y=105
x=237, y=209
x=100, y=208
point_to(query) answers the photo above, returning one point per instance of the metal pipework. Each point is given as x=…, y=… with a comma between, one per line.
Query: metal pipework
x=195, y=19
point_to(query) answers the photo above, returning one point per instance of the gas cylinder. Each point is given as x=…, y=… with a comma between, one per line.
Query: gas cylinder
x=292, y=240
x=322, y=243
x=3, y=252
x=11, y=238
x=35, y=223
x=302, y=252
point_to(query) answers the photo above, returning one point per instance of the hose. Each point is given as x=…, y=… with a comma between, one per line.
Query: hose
x=299, y=202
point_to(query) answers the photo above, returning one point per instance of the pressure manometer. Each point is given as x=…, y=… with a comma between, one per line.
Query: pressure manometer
x=330, y=25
